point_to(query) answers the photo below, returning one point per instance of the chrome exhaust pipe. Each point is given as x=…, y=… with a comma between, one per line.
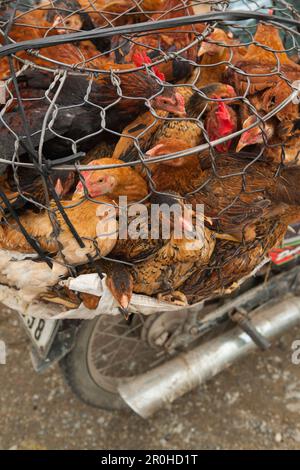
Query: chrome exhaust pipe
x=159, y=387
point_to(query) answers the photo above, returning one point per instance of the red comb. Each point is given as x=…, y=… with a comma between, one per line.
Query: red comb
x=226, y=126
x=141, y=58
x=224, y=116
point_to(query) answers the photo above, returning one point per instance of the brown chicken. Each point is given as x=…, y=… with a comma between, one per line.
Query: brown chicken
x=278, y=136
x=119, y=181
x=95, y=225
x=142, y=240
x=148, y=131
x=221, y=121
x=280, y=141
x=34, y=24
x=161, y=265
x=78, y=14
x=163, y=41
x=118, y=280
x=216, y=52
x=230, y=263
x=171, y=266
x=25, y=188
x=95, y=221
x=274, y=96
x=138, y=133
x=196, y=104
x=236, y=192
x=101, y=150
x=262, y=59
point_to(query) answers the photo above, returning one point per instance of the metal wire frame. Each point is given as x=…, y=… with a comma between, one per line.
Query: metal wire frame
x=133, y=34
x=174, y=55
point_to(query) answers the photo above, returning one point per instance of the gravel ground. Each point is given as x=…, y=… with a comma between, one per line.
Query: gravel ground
x=254, y=405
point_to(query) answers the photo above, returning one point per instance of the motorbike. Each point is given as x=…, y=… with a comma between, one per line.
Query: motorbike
x=148, y=361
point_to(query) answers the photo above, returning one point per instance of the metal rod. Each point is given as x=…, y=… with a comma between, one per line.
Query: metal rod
x=149, y=392
x=142, y=27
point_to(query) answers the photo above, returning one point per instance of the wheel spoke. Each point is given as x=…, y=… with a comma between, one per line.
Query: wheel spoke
x=117, y=350
x=117, y=338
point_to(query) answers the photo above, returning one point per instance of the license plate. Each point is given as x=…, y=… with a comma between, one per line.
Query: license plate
x=41, y=332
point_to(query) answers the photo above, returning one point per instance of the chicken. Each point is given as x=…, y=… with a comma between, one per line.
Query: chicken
x=221, y=121
x=171, y=266
x=77, y=121
x=113, y=183
x=33, y=25
x=117, y=182
x=66, y=54
x=141, y=237
x=25, y=187
x=63, y=16
x=155, y=45
x=138, y=133
x=95, y=222
x=230, y=263
x=87, y=14
x=95, y=225
x=280, y=141
x=279, y=136
x=274, y=96
x=148, y=131
x=71, y=15
x=262, y=58
x=196, y=104
x=215, y=53
x=118, y=280
x=160, y=265
x=39, y=227
x=101, y=150
x=144, y=258
x=24, y=27
x=236, y=192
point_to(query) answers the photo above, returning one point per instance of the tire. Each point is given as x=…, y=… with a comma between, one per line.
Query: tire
x=110, y=351
x=77, y=374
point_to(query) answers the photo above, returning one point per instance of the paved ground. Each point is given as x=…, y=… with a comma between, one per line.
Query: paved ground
x=255, y=404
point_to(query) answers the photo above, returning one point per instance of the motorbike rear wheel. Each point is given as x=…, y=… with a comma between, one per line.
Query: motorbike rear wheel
x=108, y=351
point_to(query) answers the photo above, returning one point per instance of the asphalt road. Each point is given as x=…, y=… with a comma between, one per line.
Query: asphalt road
x=253, y=405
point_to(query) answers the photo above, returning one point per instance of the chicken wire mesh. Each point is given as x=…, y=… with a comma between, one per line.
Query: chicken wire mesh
x=194, y=101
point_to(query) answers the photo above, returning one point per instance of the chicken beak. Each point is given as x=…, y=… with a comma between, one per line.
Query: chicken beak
x=124, y=301
x=59, y=189
x=58, y=24
x=153, y=152
x=241, y=144
x=124, y=304
x=208, y=48
x=203, y=49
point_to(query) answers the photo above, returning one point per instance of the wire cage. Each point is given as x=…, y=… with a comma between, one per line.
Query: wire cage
x=193, y=101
